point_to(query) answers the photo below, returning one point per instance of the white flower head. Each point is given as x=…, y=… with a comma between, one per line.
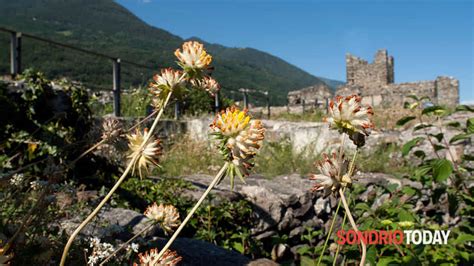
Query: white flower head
x=349, y=116
x=193, y=56
x=166, y=215
x=150, y=258
x=240, y=138
x=168, y=81
x=146, y=156
x=208, y=84
x=332, y=173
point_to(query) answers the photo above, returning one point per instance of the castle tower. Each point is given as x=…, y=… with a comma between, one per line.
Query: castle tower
x=379, y=73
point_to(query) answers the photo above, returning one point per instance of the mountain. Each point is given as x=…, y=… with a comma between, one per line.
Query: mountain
x=332, y=83
x=107, y=27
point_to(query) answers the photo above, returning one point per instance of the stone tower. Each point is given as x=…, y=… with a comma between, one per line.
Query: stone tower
x=379, y=73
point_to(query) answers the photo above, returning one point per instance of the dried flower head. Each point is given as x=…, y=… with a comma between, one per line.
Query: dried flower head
x=150, y=258
x=333, y=173
x=193, y=56
x=111, y=129
x=167, y=216
x=240, y=138
x=146, y=156
x=349, y=116
x=168, y=81
x=208, y=84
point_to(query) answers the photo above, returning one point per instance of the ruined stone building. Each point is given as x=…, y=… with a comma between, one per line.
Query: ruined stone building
x=312, y=96
x=376, y=83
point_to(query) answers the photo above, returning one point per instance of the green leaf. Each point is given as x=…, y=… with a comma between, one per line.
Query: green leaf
x=463, y=239
x=442, y=169
x=462, y=108
x=459, y=137
x=409, y=191
x=409, y=145
x=455, y=124
x=405, y=120
x=470, y=125
x=421, y=126
x=419, y=154
x=437, y=110
x=438, y=136
x=404, y=215
x=362, y=206
x=387, y=261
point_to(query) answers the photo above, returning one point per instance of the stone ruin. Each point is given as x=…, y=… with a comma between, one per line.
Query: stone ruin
x=375, y=82
x=312, y=96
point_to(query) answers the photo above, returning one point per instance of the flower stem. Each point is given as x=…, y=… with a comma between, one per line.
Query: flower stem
x=329, y=233
x=114, y=188
x=338, y=246
x=354, y=226
x=94, y=213
x=126, y=243
x=193, y=210
x=89, y=150
x=143, y=120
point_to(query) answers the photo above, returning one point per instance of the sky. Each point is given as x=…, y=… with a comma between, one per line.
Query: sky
x=426, y=38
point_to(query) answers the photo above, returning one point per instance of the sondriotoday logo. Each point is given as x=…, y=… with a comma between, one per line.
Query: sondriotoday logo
x=391, y=237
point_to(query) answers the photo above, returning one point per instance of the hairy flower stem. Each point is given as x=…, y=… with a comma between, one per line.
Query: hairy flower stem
x=354, y=226
x=339, y=246
x=329, y=233
x=88, y=150
x=143, y=120
x=114, y=188
x=126, y=243
x=193, y=210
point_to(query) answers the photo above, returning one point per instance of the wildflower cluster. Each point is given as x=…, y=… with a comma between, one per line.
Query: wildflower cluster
x=143, y=155
x=99, y=251
x=195, y=62
x=151, y=258
x=349, y=116
x=111, y=129
x=333, y=173
x=240, y=138
x=166, y=215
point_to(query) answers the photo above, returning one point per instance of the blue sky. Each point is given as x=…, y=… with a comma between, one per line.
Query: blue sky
x=427, y=38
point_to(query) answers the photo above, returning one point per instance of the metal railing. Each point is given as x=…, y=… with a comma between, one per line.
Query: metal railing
x=16, y=66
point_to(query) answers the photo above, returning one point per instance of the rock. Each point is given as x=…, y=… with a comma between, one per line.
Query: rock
x=322, y=205
x=263, y=262
x=380, y=200
x=279, y=203
x=113, y=222
x=197, y=252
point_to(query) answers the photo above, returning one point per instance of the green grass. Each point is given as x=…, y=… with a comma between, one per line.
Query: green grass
x=314, y=116
x=384, y=159
x=186, y=157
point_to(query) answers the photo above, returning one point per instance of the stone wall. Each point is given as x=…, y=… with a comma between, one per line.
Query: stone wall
x=375, y=83
x=312, y=96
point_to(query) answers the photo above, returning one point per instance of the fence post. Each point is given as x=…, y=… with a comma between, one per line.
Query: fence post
x=15, y=53
x=303, y=104
x=268, y=103
x=246, y=100
x=116, y=88
x=327, y=105
x=176, y=110
x=216, y=102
